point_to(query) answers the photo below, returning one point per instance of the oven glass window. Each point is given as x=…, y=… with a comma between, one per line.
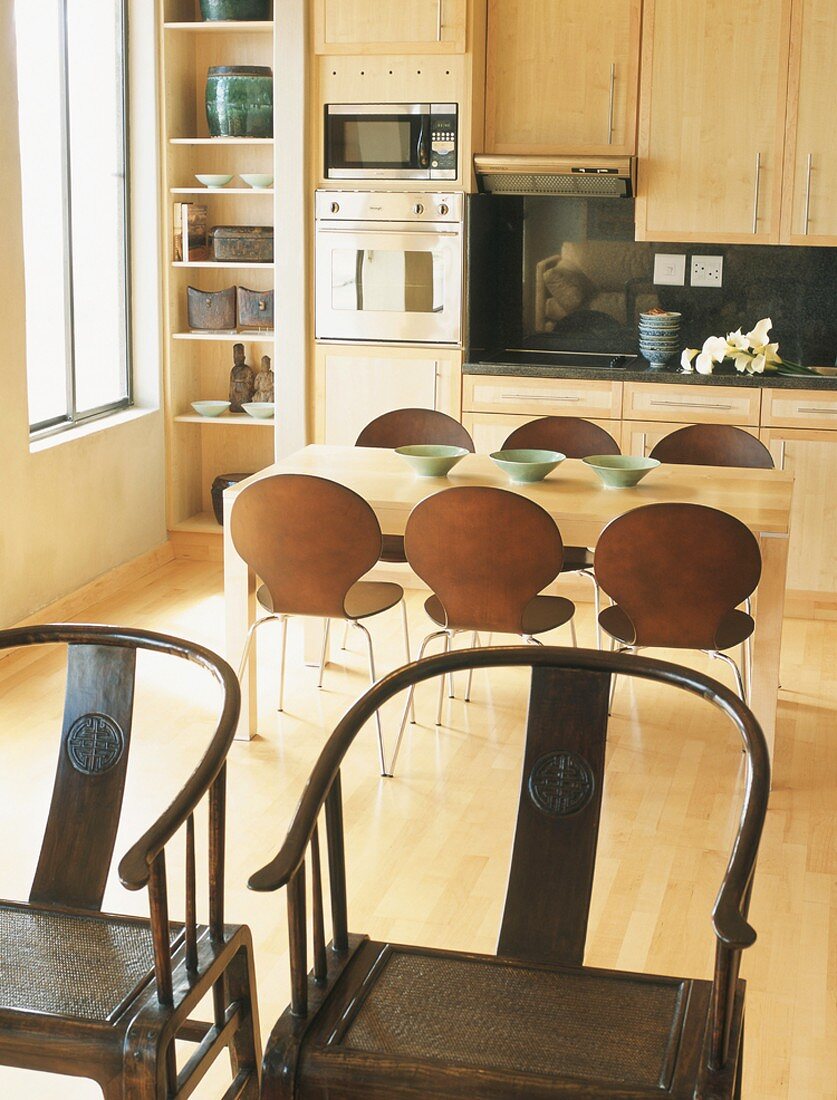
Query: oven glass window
x=380, y=280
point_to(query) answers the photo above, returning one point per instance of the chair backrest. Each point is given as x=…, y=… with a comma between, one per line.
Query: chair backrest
x=407, y=427
x=485, y=553
x=677, y=570
x=87, y=797
x=309, y=539
x=569, y=435
x=713, y=445
x=554, y=852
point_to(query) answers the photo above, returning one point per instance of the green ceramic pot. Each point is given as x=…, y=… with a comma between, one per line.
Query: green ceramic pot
x=524, y=466
x=239, y=101
x=431, y=459
x=621, y=471
x=212, y=10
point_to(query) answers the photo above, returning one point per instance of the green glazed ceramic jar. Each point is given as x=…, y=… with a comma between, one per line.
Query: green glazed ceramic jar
x=239, y=101
x=212, y=10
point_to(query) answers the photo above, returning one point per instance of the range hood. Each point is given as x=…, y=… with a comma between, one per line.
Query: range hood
x=590, y=177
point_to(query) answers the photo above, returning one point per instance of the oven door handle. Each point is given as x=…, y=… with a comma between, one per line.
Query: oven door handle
x=379, y=228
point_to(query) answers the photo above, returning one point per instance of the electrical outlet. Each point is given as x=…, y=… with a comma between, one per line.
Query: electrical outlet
x=669, y=269
x=707, y=270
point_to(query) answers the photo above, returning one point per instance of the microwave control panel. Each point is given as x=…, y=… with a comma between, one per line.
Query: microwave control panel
x=443, y=141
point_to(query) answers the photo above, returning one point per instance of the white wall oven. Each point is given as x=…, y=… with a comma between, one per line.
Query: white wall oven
x=389, y=266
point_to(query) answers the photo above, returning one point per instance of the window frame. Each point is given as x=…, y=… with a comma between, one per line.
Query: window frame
x=73, y=418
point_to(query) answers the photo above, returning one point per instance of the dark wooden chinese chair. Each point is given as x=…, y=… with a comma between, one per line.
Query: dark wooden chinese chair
x=405, y=428
x=376, y=1020
x=95, y=995
x=576, y=438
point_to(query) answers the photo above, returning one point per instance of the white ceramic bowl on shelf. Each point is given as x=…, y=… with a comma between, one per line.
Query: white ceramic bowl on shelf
x=258, y=181
x=210, y=408
x=213, y=182
x=259, y=410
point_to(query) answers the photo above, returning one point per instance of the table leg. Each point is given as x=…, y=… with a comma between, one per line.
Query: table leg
x=312, y=641
x=240, y=612
x=767, y=639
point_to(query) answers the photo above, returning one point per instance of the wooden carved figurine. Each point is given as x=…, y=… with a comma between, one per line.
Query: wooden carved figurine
x=263, y=389
x=242, y=380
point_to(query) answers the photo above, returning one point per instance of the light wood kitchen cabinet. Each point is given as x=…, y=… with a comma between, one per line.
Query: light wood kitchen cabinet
x=691, y=404
x=533, y=397
x=389, y=26
x=355, y=384
x=809, y=212
x=712, y=119
x=562, y=75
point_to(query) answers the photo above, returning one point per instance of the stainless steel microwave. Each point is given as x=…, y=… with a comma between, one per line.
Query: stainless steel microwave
x=391, y=141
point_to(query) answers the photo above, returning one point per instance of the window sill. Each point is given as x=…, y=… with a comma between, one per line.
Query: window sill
x=92, y=427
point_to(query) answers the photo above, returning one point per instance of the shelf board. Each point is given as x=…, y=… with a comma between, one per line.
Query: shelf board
x=222, y=191
x=219, y=264
x=220, y=141
x=232, y=337
x=226, y=420
x=219, y=26
x=202, y=523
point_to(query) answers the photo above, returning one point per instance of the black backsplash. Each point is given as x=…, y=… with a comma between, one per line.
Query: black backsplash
x=567, y=274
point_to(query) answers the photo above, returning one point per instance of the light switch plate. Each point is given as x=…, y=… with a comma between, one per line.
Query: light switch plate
x=707, y=270
x=670, y=269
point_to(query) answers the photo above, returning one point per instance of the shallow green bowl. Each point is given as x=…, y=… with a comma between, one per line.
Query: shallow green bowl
x=210, y=408
x=431, y=459
x=621, y=471
x=259, y=410
x=527, y=465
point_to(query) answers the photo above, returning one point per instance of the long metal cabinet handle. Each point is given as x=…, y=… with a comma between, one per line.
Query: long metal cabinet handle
x=782, y=455
x=611, y=103
x=644, y=446
x=806, y=216
x=536, y=397
x=436, y=380
x=438, y=20
x=816, y=412
x=756, y=194
x=657, y=402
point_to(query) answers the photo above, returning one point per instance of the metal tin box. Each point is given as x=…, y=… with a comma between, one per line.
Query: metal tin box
x=250, y=243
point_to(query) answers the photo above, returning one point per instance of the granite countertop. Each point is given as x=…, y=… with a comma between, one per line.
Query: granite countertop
x=646, y=374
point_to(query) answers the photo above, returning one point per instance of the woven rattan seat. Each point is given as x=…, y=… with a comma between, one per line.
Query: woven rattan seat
x=498, y=1015
x=93, y=965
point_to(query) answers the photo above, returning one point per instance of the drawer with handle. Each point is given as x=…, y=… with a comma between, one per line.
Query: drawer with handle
x=800, y=409
x=691, y=404
x=542, y=396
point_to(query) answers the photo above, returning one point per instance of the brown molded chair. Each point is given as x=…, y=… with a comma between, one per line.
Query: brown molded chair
x=94, y=995
x=375, y=1020
x=576, y=438
x=676, y=574
x=405, y=428
x=713, y=445
x=310, y=541
x=485, y=554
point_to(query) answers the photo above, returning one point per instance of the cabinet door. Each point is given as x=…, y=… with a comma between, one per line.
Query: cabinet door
x=811, y=456
x=809, y=211
x=389, y=26
x=534, y=397
x=562, y=76
x=692, y=404
x=712, y=117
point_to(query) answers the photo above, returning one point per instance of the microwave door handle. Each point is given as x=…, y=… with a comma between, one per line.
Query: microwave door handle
x=423, y=144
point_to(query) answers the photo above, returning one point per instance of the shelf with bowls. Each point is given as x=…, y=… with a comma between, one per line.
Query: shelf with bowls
x=225, y=420
x=223, y=26
x=222, y=191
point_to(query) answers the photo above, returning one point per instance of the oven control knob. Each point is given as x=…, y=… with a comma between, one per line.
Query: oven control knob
x=418, y=208
x=444, y=209
x=335, y=208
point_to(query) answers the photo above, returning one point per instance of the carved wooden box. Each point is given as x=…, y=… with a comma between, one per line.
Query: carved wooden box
x=255, y=308
x=211, y=310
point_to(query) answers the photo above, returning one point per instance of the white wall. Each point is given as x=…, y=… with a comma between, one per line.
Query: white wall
x=75, y=506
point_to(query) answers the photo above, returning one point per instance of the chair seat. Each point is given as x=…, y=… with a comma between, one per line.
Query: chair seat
x=542, y=1030
x=735, y=628
x=543, y=613
x=575, y=558
x=71, y=964
x=393, y=549
x=362, y=600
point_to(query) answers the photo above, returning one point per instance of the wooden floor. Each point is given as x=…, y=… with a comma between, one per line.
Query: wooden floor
x=428, y=851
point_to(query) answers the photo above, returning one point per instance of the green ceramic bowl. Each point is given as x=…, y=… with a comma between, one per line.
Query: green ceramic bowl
x=214, y=182
x=259, y=410
x=431, y=459
x=210, y=408
x=621, y=471
x=527, y=465
x=257, y=181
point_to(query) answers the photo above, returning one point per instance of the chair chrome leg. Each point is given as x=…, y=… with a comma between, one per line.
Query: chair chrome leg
x=408, y=655
x=281, y=706
x=345, y=635
x=591, y=576
x=617, y=649
x=248, y=641
x=739, y=679
x=530, y=639
x=409, y=706
x=442, y=682
x=475, y=641
x=381, y=754
x=326, y=631
x=573, y=634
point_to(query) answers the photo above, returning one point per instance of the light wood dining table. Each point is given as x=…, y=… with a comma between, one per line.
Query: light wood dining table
x=581, y=507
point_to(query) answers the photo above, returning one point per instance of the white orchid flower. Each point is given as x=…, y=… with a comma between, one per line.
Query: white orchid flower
x=714, y=351
x=743, y=360
x=759, y=336
x=771, y=353
x=686, y=358
x=738, y=341
x=757, y=364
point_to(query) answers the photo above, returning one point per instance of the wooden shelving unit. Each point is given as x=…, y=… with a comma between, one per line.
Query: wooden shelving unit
x=198, y=363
